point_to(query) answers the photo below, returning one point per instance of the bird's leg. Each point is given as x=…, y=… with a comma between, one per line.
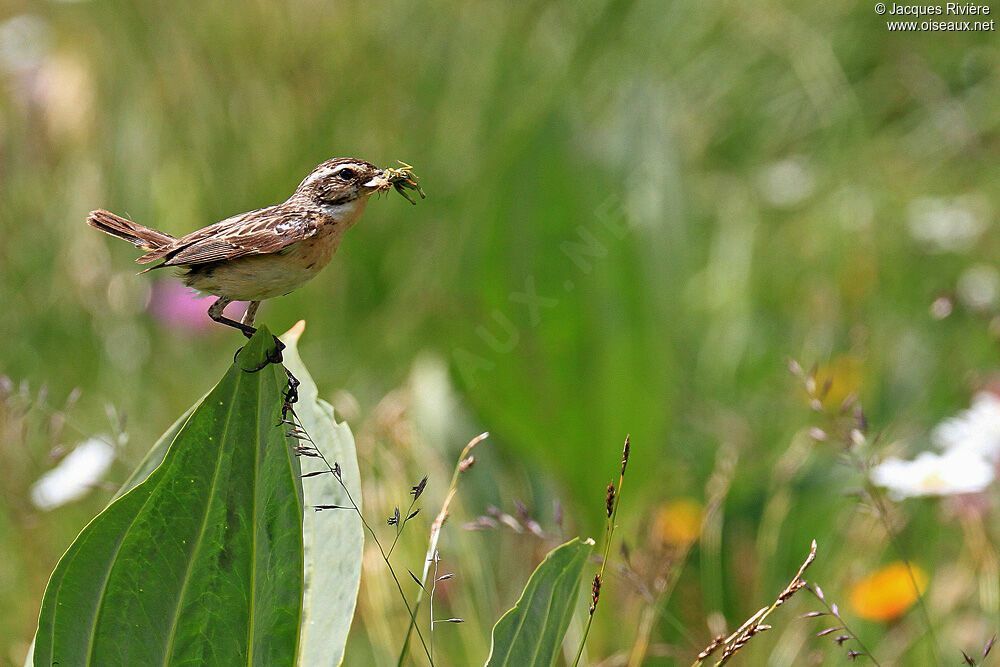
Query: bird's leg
x=291, y=394
x=248, y=318
x=215, y=312
x=251, y=313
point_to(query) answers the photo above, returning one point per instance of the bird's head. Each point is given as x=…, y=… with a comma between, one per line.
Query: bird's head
x=341, y=183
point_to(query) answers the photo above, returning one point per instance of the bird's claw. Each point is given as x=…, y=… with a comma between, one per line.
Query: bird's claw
x=291, y=394
x=273, y=357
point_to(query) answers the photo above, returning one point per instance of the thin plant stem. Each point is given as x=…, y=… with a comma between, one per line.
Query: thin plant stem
x=300, y=430
x=399, y=527
x=464, y=461
x=430, y=600
x=656, y=608
x=720, y=481
x=883, y=515
x=854, y=438
x=609, y=533
x=836, y=614
x=385, y=557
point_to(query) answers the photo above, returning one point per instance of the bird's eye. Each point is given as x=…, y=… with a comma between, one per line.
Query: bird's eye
x=346, y=174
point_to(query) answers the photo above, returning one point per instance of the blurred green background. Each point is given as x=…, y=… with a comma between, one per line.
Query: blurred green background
x=636, y=212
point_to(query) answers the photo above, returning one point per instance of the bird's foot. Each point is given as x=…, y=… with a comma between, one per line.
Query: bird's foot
x=273, y=357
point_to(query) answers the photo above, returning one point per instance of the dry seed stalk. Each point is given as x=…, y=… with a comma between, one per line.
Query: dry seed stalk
x=432, y=546
x=755, y=624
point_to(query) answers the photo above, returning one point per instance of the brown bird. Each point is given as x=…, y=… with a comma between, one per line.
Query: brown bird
x=271, y=251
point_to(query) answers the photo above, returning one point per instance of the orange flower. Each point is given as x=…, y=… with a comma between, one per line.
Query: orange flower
x=678, y=522
x=887, y=594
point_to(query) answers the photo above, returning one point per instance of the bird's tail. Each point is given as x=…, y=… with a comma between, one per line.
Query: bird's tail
x=136, y=234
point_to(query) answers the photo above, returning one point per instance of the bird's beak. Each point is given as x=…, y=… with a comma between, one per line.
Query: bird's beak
x=378, y=182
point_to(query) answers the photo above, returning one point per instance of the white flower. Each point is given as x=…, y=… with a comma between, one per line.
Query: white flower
x=976, y=430
x=979, y=286
x=787, y=183
x=948, y=224
x=930, y=474
x=75, y=475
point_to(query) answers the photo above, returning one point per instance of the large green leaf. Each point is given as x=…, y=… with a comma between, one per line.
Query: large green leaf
x=334, y=540
x=200, y=563
x=533, y=630
x=154, y=456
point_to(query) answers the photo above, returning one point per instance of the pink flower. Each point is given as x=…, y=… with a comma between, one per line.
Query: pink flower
x=183, y=309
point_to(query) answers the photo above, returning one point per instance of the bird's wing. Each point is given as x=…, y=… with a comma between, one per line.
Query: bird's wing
x=265, y=230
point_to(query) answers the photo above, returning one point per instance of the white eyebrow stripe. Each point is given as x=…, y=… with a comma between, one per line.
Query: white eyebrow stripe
x=319, y=175
x=326, y=172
